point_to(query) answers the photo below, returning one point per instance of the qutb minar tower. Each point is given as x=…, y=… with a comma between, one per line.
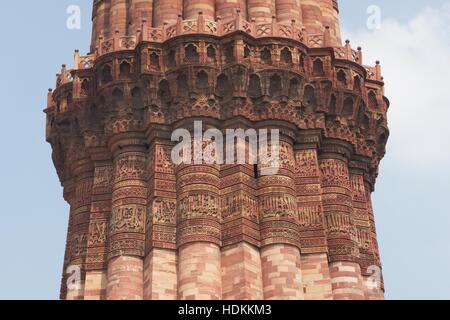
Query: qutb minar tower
x=143, y=227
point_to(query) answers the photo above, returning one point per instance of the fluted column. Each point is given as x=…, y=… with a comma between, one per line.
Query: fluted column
x=330, y=18
x=191, y=9
x=138, y=11
x=288, y=10
x=79, y=228
x=100, y=21
x=314, y=247
x=241, y=260
x=227, y=9
x=160, y=265
x=338, y=208
x=96, y=263
x=69, y=196
x=312, y=16
x=119, y=17
x=166, y=12
x=262, y=11
x=127, y=225
x=361, y=217
x=374, y=277
x=280, y=247
x=199, y=235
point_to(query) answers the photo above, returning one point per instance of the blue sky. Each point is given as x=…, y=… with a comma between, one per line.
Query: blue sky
x=411, y=200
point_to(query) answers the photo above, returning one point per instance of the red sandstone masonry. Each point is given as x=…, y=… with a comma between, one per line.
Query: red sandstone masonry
x=371, y=292
x=110, y=16
x=68, y=195
x=288, y=10
x=95, y=285
x=241, y=273
x=76, y=293
x=97, y=248
x=346, y=281
x=316, y=277
x=312, y=16
x=282, y=278
x=199, y=272
x=226, y=9
x=193, y=7
x=140, y=10
x=379, y=293
x=80, y=216
x=165, y=11
x=212, y=232
x=119, y=16
x=330, y=18
x=160, y=275
x=125, y=279
x=261, y=10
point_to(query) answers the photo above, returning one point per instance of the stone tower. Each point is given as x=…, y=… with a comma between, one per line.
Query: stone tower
x=142, y=227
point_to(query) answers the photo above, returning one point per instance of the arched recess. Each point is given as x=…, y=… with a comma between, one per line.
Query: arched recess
x=373, y=100
x=164, y=92
x=171, y=59
x=85, y=87
x=265, y=55
x=254, y=87
x=286, y=56
x=125, y=70
x=348, y=106
x=101, y=102
x=106, y=74
x=211, y=53
x=357, y=84
x=275, y=86
x=341, y=78
x=154, y=61
x=332, y=106
x=182, y=85
x=136, y=97
x=294, y=88
x=117, y=97
x=309, y=99
x=229, y=52
x=318, y=69
x=223, y=86
x=191, y=54
x=202, y=81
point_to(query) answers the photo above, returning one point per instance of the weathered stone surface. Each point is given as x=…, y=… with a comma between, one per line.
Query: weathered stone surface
x=142, y=227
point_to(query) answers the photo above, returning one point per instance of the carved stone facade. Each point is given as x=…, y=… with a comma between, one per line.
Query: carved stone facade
x=142, y=227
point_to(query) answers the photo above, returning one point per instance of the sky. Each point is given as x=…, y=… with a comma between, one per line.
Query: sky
x=411, y=198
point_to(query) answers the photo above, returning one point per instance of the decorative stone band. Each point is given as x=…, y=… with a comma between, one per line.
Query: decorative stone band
x=277, y=198
x=76, y=253
x=337, y=201
x=238, y=52
x=69, y=193
x=100, y=215
x=129, y=200
x=309, y=202
x=162, y=197
x=239, y=205
x=198, y=204
x=310, y=15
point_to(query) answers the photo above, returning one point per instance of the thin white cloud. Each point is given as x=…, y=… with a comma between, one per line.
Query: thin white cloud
x=415, y=59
